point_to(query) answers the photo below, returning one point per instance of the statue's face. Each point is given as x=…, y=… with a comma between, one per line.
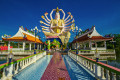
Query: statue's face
x=57, y=16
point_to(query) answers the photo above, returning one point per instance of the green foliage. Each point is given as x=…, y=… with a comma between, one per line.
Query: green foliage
x=117, y=45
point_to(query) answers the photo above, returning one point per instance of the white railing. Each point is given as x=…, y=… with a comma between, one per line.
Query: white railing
x=100, y=70
x=8, y=70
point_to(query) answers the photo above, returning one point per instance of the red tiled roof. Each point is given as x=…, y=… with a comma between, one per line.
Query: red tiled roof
x=99, y=38
x=27, y=38
x=96, y=38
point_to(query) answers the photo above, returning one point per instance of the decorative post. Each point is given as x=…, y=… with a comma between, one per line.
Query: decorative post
x=35, y=33
x=49, y=45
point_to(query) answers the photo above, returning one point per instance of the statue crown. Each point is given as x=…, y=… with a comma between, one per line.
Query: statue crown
x=57, y=9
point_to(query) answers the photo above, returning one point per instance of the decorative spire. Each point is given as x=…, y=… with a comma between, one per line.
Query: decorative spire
x=57, y=9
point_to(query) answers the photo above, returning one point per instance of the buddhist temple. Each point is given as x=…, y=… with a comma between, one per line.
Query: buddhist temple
x=89, y=40
x=24, y=37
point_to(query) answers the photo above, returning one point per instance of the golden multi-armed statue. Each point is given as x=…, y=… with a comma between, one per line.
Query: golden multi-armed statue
x=58, y=27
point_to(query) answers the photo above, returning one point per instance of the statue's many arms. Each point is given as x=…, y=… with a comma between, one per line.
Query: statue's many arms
x=58, y=27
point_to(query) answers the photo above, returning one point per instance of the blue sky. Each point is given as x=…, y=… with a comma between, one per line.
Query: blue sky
x=104, y=14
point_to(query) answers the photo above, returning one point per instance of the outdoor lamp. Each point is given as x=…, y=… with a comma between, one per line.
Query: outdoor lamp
x=35, y=31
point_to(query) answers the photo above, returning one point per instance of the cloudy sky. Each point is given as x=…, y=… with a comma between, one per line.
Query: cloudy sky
x=104, y=14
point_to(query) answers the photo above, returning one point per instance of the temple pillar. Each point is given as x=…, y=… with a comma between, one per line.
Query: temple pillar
x=105, y=44
x=90, y=44
x=8, y=45
x=79, y=45
x=38, y=46
x=84, y=46
x=18, y=44
x=48, y=44
x=30, y=46
x=96, y=44
x=23, y=46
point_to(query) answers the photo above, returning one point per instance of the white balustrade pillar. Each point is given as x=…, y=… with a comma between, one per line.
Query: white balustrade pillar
x=30, y=46
x=10, y=69
x=113, y=76
x=34, y=58
x=97, y=70
x=3, y=74
x=102, y=74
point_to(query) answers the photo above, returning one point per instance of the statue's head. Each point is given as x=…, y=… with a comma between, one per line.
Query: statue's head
x=57, y=14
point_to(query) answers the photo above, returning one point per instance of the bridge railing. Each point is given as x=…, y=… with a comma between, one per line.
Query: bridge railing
x=93, y=51
x=100, y=70
x=7, y=70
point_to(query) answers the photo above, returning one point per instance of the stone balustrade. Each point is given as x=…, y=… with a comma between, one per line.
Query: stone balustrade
x=7, y=70
x=100, y=70
x=104, y=54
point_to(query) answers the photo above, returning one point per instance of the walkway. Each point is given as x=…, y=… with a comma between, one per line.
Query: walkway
x=35, y=70
x=75, y=70
x=56, y=69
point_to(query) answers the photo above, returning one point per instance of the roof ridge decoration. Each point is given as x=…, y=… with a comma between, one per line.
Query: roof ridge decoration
x=94, y=33
x=87, y=32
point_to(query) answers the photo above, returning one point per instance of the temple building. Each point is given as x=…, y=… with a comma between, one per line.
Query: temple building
x=24, y=37
x=90, y=40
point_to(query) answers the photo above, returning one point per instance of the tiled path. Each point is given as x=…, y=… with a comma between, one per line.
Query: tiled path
x=56, y=69
x=35, y=70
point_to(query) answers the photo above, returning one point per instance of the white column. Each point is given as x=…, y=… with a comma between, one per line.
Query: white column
x=8, y=45
x=84, y=46
x=23, y=46
x=96, y=44
x=18, y=44
x=105, y=44
x=30, y=46
x=40, y=47
x=79, y=45
x=90, y=44
x=34, y=45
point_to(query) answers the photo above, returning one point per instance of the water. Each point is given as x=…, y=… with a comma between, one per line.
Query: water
x=35, y=70
x=75, y=71
x=113, y=63
x=3, y=61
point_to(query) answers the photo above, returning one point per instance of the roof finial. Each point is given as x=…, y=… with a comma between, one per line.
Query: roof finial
x=57, y=9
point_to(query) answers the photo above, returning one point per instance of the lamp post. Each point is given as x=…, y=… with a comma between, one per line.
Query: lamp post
x=77, y=32
x=36, y=31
